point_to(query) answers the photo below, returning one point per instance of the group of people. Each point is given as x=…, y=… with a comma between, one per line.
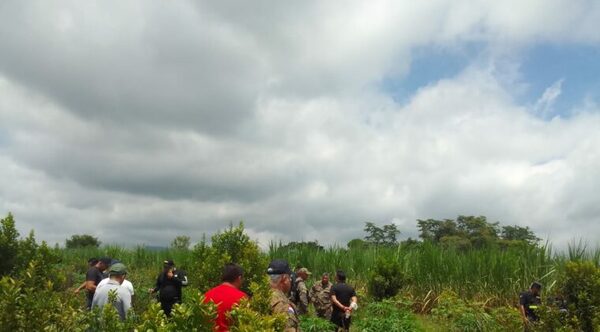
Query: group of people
x=105, y=276
x=106, y=282
x=336, y=302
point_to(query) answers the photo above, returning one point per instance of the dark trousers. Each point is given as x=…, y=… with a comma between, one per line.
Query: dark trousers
x=340, y=320
x=167, y=305
x=88, y=300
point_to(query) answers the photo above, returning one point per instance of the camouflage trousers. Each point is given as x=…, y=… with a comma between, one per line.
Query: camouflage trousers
x=324, y=313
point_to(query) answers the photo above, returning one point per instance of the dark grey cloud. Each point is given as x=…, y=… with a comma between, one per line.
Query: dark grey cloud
x=162, y=118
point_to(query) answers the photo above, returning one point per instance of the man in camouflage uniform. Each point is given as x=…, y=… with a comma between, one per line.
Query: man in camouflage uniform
x=321, y=298
x=279, y=274
x=301, y=300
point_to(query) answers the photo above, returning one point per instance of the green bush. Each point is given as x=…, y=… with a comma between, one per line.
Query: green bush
x=255, y=315
x=458, y=315
x=9, y=244
x=385, y=316
x=229, y=246
x=386, y=279
x=315, y=324
x=580, y=286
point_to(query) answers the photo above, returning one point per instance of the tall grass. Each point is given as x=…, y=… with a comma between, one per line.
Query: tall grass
x=488, y=274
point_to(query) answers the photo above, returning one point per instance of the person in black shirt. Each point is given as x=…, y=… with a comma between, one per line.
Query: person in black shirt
x=93, y=278
x=343, y=298
x=168, y=287
x=529, y=302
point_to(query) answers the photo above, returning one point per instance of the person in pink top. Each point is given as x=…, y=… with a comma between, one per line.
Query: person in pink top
x=226, y=295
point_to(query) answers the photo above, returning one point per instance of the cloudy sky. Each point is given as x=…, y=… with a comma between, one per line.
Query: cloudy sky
x=137, y=121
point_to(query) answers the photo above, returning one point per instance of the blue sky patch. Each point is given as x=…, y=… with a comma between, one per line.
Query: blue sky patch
x=429, y=65
x=578, y=66
x=541, y=67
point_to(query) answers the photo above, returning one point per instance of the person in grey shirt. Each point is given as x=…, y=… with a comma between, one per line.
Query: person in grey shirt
x=122, y=299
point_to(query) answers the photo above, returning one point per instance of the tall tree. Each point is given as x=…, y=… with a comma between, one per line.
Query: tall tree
x=385, y=235
x=181, y=242
x=82, y=241
x=9, y=244
x=518, y=233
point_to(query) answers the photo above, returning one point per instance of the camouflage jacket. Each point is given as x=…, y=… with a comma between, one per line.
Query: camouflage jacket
x=320, y=296
x=302, y=299
x=280, y=304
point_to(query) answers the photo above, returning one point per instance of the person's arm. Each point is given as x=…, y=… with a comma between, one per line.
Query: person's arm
x=90, y=280
x=522, y=304
x=80, y=288
x=158, y=284
x=354, y=303
x=337, y=303
x=126, y=298
x=304, y=296
x=311, y=294
x=90, y=285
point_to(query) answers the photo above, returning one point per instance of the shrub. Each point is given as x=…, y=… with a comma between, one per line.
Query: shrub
x=255, y=314
x=230, y=246
x=386, y=316
x=459, y=315
x=9, y=244
x=386, y=279
x=82, y=241
x=580, y=287
x=315, y=324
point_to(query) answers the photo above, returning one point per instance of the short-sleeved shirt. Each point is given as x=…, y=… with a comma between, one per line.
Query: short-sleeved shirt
x=343, y=293
x=123, y=299
x=530, y=302
x=93, y=274
x=126, y=284
x=225, y=297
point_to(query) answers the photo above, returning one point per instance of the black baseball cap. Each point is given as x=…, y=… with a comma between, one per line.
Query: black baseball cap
x=536, y=284
x=169, y=263
x=279, y=266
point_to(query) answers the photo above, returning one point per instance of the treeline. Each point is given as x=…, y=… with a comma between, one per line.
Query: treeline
x=462, y=233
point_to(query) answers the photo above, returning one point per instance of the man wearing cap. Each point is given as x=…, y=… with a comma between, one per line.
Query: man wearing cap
x=529, y=302
x=122, y=299
x=93, y=277
x=126, y=283
x=301, y=297
x=279, y=274
x=320, y=296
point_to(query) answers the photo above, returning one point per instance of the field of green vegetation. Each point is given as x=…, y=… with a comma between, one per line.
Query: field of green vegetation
x=462, y=275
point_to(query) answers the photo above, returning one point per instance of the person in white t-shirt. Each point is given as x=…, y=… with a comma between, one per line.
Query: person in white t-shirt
x=126, y=283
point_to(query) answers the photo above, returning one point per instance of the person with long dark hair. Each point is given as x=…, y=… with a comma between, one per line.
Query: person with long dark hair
x=168, y=287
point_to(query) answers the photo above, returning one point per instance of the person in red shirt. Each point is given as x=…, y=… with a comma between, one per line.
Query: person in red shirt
x=226, y=295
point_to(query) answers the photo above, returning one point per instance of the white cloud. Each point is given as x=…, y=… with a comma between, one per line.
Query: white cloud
x=545, y=103
x=159, y=119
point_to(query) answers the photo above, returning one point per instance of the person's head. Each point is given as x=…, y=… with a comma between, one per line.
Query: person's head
x=340, y=276
x=92, y=261
x=168, y=265
x=535, y=288
x=303, y=273
x=117, y=272
x=325, y=278
x=103, y=263
x=280, y=275
x=233, y=274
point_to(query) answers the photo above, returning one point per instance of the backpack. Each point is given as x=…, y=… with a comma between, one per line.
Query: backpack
x=182, y=276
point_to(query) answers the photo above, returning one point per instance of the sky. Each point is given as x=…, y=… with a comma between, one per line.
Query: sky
x=138, y=121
